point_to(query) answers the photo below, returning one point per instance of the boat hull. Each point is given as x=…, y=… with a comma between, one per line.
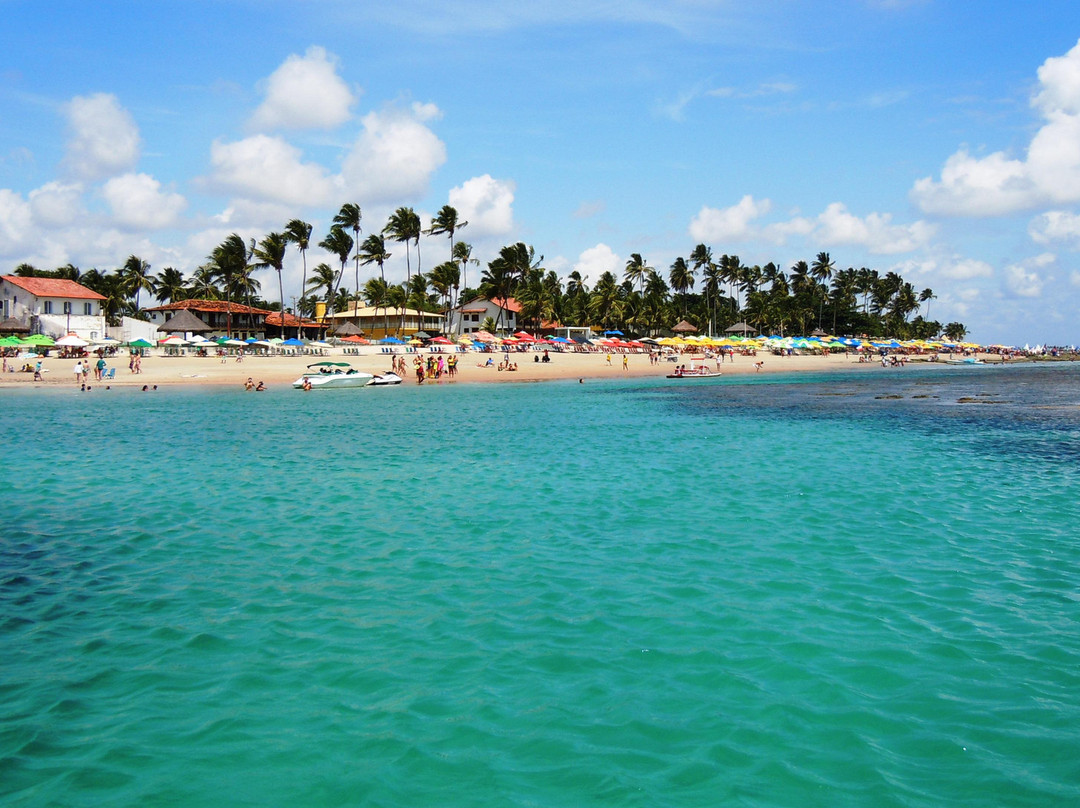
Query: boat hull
x=333, y=381
x=384, y=379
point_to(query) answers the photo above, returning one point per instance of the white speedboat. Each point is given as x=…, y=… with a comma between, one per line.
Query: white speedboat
x=380, y=379
x=968, y=361
x=332, y=376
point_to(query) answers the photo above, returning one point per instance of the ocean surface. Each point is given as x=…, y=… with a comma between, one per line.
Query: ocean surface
x=825, y=590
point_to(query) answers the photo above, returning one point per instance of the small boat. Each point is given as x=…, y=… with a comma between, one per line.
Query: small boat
x=380, y=379
x=332, y=376
x=698, y=369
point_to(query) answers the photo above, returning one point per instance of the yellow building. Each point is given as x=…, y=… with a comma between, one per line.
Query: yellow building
x=377, y=322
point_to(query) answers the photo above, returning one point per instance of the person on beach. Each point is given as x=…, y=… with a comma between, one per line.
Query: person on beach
x=249, y=384
x=759, y=365
x=625, y=362
x=37, y=372
x=99, y=368
x=306, y=386
x=609, y=358
x=260, y=387
x=138, y=364
x=78, y=373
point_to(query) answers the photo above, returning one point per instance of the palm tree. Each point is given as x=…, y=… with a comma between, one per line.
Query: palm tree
x=681, y=277
x=637, y=270
x=373, y=251
x=228, y=260
x=395, y=298
x=444, y=279
x=822, y=270
x=298, y=232
x=497, y=282
x=446, y=221
x=271, y=255
x=376, y=292
x=170, y=285
x=323, y=279
x=137, y=277
x=348, y=218
x=339, y=243
x=463, y=255
x=925, y=296
x=404, y=226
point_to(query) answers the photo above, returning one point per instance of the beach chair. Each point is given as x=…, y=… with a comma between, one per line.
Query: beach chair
x=109, y=373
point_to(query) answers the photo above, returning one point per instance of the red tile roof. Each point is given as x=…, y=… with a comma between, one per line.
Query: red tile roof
x=291, y=320
x=509, y=304
x=210, y=305
x=53, y=287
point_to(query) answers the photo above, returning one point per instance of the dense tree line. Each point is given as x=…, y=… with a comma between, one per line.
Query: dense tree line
x=710, y=292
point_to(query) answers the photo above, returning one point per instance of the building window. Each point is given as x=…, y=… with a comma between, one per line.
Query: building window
x=48, y=307
x=67, y=307
x=88, y=308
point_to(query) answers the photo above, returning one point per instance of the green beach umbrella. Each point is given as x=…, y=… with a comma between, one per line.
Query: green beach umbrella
x=141, y=343
x=11, y=342
x=38, y=339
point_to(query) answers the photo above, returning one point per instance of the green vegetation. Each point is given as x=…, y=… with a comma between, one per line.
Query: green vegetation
x=711, y=292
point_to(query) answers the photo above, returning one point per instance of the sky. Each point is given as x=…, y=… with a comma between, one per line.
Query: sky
x=940, y=140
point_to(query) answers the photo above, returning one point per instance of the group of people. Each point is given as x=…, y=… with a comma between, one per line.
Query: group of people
x=83, y=368
x=258, y=388
x=435, y=366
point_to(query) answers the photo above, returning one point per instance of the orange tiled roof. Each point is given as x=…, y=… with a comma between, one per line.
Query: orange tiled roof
x=291, y=320
x=210, y=305
x=53, y=287
x=509, y=304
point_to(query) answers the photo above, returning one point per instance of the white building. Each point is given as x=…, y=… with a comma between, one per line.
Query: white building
x=53, y=306
x=469, y=317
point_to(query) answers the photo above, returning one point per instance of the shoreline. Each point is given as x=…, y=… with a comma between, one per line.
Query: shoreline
x=279, y=371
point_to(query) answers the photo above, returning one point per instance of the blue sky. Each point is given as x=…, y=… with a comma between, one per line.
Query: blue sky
x=940, y=140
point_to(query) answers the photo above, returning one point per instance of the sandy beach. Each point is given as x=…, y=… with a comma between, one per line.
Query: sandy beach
x=278, y=371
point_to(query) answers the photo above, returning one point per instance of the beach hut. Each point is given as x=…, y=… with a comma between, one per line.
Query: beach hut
x=740, y=328
x=347, y=330
x=13, y=326
x=184, y=322
x=683, y=327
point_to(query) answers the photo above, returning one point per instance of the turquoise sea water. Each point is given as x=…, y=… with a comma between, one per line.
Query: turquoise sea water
x=849, y=590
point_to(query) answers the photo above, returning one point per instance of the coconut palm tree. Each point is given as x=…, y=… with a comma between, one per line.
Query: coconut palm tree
x=395, y=298
x=404, y=226
x=463, y=255
x=348, y=218
x=376, y=292
x=298, y=232
x=137, y=277
x=270, y=253
x=681, y=277
x=925, y=296
x=373, y=251
x=228, y=261
x=444, y=279
x=637, y=270
x=446, y=221
x=339, y=243
x=821, y=271
x=170, y=285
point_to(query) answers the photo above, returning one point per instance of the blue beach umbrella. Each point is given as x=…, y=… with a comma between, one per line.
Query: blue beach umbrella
x=391, y=341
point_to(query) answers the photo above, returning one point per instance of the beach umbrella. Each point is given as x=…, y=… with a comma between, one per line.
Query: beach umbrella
x=250, y=341
x=347, y=330
x=173, y=341
x=141, y=343
x=422, y=335
x=293, y=342
x=11, y=342
x=184, y=322
x=391, y=341
x=38, y=339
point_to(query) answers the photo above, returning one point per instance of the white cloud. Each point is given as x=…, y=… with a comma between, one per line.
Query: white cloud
x=305, y=93
x=1024, y=279
x=487, y=204
x=16, y=220
x=965, y=269
x=264, y=168
x=997, y=184
x=836, y=226
x=728, y=224
x=56, y=204
x=138, y=202
x=595, y=261
x=1055, y=225
x=395, y=156
x=104, y=139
